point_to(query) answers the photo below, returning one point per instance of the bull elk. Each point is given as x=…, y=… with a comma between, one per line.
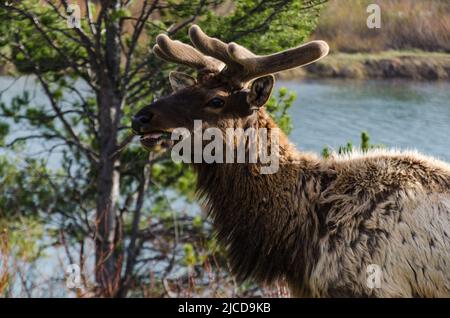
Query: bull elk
x=320, y=224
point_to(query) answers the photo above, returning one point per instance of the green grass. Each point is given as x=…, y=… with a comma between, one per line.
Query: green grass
x=412, y=64
x=390, y=54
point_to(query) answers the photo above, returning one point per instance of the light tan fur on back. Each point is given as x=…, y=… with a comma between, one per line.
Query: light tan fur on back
x=388, y=208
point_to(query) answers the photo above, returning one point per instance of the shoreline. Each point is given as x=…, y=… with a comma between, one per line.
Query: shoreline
x=413, y=65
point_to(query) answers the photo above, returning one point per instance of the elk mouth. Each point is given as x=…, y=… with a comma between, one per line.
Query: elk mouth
x=155, y=138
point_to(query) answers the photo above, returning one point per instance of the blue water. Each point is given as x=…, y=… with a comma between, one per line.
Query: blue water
x=397, y=114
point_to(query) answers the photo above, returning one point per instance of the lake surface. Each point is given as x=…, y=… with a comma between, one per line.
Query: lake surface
x=398, y=114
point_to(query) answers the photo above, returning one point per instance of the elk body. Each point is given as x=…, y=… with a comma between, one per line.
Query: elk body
x=320, y=224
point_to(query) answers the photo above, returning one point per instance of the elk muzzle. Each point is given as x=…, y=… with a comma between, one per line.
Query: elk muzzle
x=141, y=123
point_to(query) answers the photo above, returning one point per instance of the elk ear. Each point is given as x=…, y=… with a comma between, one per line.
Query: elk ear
x=180, y=80
x=260, y=91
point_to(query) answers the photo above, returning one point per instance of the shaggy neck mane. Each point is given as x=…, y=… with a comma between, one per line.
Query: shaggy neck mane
x=251, y=211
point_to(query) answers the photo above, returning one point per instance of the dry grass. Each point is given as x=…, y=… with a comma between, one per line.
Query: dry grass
x=4, y=259
x=405, y=25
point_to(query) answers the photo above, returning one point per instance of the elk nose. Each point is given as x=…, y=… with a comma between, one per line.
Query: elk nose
x=139, y=122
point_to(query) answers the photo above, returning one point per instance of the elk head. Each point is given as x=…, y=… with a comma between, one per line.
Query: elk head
x=231, y=86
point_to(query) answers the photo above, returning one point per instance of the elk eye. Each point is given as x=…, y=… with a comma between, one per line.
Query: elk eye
x=216, y=102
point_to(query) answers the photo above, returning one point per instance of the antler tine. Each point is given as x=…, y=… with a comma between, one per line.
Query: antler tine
x=257, y=66
x=178, y=52
x=211, y=46
x=160, y=53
